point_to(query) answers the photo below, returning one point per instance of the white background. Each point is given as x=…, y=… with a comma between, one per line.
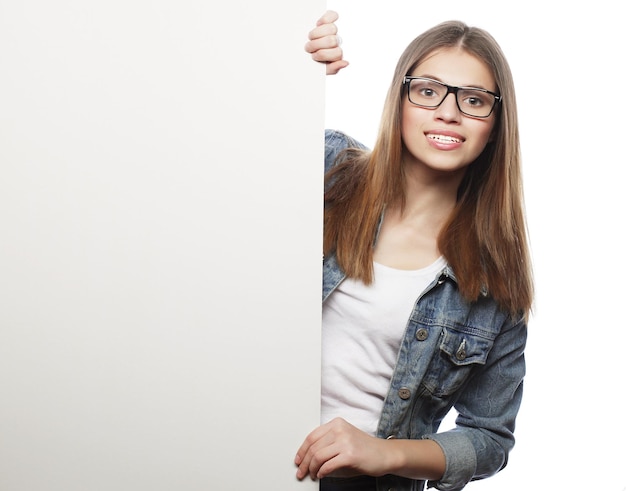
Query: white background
x=567, y=61
x=153, y=334
x=160, y=244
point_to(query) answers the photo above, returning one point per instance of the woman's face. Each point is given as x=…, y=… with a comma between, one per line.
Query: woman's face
x=444, y=138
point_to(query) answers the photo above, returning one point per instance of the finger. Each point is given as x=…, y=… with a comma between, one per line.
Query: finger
x=327, y=55
x=316, y=440
x=323, y=31
x=331, y=467
x=326, y=42
x=303, y=469
x=334, y=67
x=319, y=454
x=303, y=454
x=328, y=17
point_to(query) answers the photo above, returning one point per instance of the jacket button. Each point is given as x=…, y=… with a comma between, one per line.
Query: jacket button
x=421, y=334
x=404, y=393
x=461, y=353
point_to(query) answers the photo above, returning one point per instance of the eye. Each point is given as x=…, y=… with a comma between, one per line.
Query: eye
x=474, y=101
x=475, y=98
x=424, y=91
x=428, y=92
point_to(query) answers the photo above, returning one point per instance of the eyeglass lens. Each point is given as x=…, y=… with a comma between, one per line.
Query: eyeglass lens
x=429, y=93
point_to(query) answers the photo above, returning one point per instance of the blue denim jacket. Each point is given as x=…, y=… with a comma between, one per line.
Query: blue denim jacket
x=469, y=356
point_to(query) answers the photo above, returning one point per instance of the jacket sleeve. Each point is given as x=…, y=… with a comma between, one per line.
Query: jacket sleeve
x=479, y=445
x=335, y=142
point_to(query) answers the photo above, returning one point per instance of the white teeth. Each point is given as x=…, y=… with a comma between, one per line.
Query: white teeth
x=444, y=138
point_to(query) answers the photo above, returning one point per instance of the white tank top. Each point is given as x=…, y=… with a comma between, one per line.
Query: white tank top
x=362, y=328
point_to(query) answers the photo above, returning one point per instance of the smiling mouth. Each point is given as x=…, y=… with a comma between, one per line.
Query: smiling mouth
x=444, y=138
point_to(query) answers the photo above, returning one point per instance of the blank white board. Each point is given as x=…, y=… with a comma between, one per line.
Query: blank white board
x=160, y=244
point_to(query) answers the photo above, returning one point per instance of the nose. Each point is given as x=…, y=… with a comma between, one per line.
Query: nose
x=448, y=110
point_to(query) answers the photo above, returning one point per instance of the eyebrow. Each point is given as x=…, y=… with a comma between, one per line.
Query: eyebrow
x=437, y=79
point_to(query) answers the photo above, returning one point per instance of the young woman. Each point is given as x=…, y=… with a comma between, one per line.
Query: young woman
x=427, y=278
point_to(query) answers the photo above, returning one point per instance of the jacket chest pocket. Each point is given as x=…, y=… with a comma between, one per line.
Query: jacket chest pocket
x=458, y=355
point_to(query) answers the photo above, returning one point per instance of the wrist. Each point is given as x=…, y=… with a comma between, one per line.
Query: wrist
x=416, y=459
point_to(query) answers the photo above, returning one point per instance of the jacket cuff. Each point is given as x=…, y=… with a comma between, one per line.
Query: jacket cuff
x=460, y=460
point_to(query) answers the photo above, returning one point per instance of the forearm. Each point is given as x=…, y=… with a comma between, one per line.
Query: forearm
x=415, y=459
x=339, y=449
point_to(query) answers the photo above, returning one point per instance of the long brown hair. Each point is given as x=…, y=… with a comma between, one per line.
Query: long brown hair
x=485, y=239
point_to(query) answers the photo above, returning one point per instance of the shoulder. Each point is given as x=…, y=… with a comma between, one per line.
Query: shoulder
x=336, y=139
x=335, y=142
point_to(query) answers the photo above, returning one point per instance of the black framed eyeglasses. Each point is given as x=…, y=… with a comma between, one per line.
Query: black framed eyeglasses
x=429, y=93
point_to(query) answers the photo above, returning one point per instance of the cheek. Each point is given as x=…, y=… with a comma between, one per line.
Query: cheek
x=409, y=121
x=404, y=119
x=484, y=135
